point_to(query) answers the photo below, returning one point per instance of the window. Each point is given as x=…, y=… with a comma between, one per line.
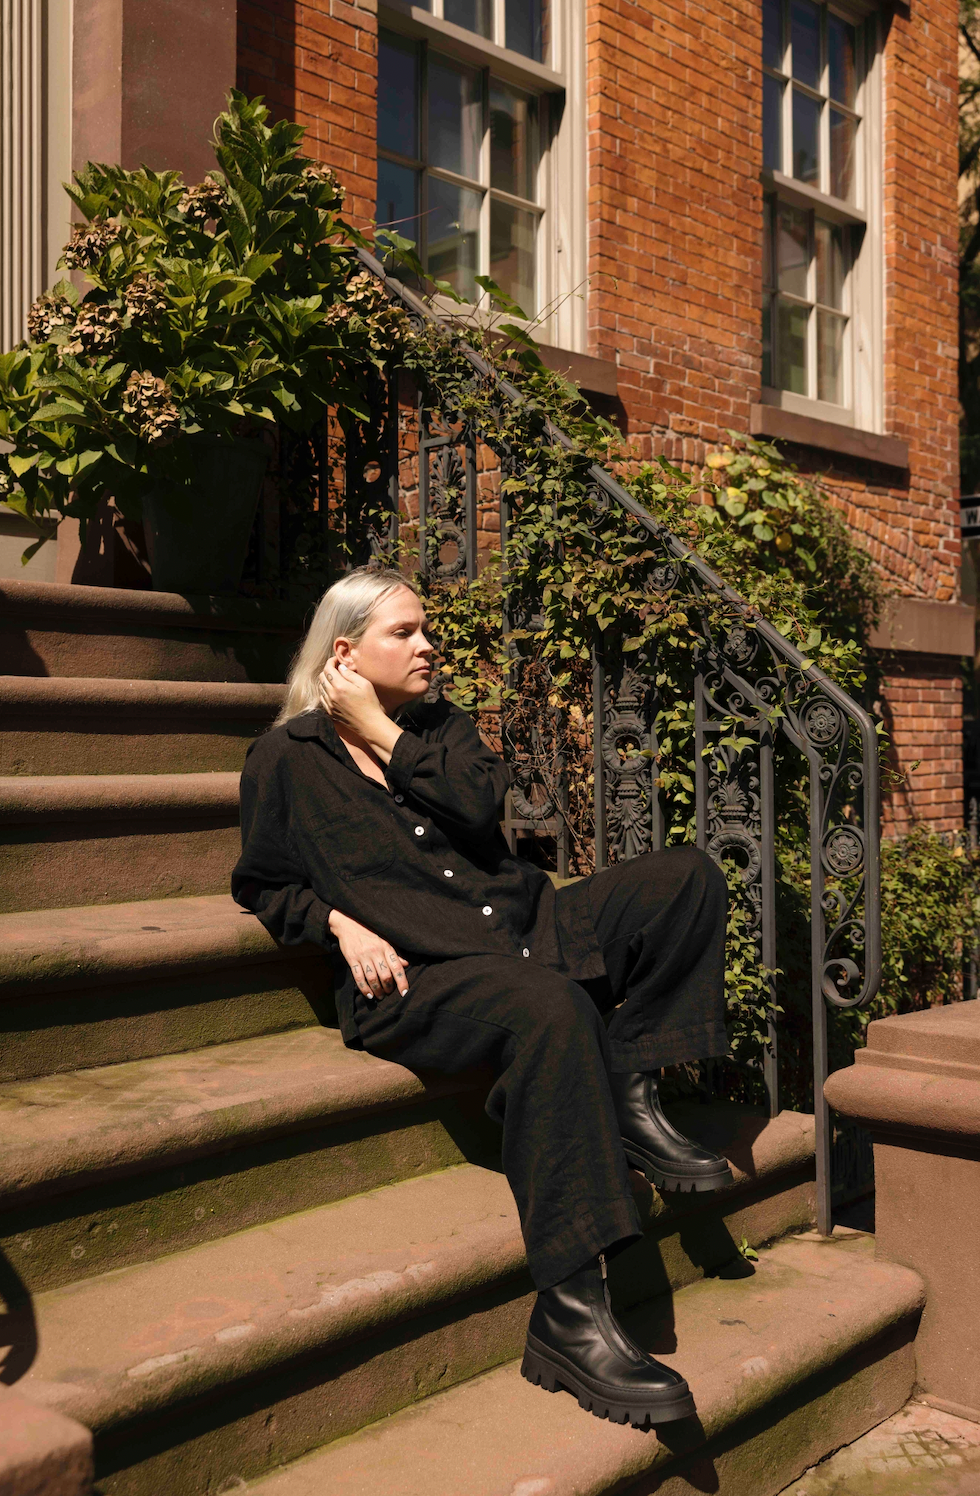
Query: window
x=817, y=61
x=477, y=157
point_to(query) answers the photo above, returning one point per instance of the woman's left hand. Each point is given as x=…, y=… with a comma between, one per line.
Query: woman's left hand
x=348, y=698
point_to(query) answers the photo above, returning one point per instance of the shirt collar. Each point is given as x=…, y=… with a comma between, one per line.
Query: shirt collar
x=317, y=724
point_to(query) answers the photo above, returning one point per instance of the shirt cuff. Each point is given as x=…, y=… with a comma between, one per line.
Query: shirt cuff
x=404, y=760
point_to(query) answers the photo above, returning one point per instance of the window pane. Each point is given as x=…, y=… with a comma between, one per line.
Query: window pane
x=840, y=56
x=512, y=234
x=772, y=123
x=475, y=15
x=804, y=37
x=830, y=357
x=829, y=247
x=806, y=138
x=513, y=141
x=453, y=226
x=842, y=139
x=398, y=200
x=455, y=117
x=767, y=340
x=398, y=92
x=792, y=249
x=772, y=33
x=791, y=336
x=767, y=270
x=527, y=24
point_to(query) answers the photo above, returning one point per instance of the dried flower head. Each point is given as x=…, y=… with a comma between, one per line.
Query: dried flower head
x=95, y=331
x=364, y=293
x=324, y=176
x=144, y=299
x=89, y=243
x=205, y=201
x=150, y=400
x=6, y=481
x=47, y=313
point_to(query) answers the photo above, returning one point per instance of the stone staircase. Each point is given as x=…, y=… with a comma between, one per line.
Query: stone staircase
x=247, y=1257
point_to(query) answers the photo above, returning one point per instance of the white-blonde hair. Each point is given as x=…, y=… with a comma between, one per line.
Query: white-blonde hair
x=345, y=611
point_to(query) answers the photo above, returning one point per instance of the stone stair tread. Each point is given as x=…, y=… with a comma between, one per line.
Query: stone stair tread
x=740, y=1343
x=61, y=1132
x=82, y=695
x=151, y=1335
x=53, y=949
x=69, y=797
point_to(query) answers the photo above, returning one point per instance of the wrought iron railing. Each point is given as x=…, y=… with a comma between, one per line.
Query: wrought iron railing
x=743, y=672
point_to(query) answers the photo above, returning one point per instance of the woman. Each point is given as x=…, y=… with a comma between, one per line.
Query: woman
x=370, y=826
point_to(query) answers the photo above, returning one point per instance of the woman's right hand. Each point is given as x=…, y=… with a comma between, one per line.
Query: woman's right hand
x=377, y=967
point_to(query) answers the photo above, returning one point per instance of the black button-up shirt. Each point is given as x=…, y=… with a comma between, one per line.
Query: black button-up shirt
x=423, y=863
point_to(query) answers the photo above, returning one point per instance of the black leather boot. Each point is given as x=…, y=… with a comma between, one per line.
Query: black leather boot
x=574, y=1341
x=667, y=1158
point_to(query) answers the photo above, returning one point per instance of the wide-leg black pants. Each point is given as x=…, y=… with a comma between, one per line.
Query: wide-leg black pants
x=660, y=924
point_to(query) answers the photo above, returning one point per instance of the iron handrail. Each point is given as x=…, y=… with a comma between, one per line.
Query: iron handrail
x=734, y=795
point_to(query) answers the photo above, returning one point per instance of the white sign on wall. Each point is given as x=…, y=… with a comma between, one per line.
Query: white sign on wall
x=970, y=517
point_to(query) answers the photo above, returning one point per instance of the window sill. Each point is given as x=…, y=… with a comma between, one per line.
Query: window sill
x=916, y=625
x=411, y=20
x=828, y=436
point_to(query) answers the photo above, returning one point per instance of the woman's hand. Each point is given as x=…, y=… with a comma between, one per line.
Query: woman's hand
x=350, y=699
x=377, y=968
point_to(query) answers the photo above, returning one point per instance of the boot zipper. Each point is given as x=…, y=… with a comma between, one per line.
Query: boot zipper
x=602, y=1265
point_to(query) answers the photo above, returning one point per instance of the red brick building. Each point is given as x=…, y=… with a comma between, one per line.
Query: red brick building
x=724, y=215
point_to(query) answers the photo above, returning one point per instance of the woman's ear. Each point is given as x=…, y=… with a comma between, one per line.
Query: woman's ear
x=342, y=649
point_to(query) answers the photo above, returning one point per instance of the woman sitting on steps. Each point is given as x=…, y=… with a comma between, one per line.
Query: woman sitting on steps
x=370, y=826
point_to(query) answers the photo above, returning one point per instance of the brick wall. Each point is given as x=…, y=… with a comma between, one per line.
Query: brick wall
x=316, y=63
x=673, y=114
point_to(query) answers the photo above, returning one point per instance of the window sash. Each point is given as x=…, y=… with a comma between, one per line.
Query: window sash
x=782, y=372
x=488, y=194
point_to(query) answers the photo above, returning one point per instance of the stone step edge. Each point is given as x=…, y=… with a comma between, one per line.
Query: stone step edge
x=57, y=950
x=33, y=799
x=450, y=1441
x=445, y=1237
x=40, y=695
x=74, y=1130
x=109, y=607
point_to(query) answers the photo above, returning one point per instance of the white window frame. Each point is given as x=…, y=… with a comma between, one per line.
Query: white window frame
x=559, y=83
x=863, y=405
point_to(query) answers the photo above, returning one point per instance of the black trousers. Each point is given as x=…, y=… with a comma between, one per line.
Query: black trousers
x=552, y=1041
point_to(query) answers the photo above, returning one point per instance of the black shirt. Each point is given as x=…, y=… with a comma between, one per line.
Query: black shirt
x=425, y=866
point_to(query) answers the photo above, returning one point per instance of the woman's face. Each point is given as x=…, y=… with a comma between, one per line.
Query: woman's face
x=395, y=654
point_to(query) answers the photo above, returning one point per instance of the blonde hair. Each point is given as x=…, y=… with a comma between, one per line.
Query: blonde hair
x=344, y=610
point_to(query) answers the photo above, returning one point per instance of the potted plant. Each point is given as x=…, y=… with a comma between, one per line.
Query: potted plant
x=212, y=314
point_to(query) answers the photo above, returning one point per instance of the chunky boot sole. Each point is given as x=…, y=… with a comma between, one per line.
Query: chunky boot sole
x=545, y=1368
x=651, y=1168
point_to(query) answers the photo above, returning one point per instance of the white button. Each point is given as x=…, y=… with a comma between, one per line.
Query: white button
x=526, y=951
x=399, y=799
x=420, y=831
x=448, y=872
x=487, y=909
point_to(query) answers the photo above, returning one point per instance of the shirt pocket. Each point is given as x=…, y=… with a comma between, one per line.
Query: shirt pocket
x=351, y=843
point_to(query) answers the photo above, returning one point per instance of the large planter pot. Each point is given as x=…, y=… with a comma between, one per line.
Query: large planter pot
x=197, y=532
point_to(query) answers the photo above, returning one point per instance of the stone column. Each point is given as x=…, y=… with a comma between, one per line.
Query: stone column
x=917, y=1087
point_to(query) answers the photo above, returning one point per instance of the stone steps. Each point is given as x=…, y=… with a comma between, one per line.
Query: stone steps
x=105, y=1167
x=104, y=838
x=50, y=629
x=785, y=1366
x=255, y=1347
x=100, y=984
x=73, y=725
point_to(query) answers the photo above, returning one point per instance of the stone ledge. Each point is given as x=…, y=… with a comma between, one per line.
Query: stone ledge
x=26, y=799
x=113, y=606
x=42, y=1453
x=917, y=625
x=786, y=425
x=44, y=696
x=44, y=950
